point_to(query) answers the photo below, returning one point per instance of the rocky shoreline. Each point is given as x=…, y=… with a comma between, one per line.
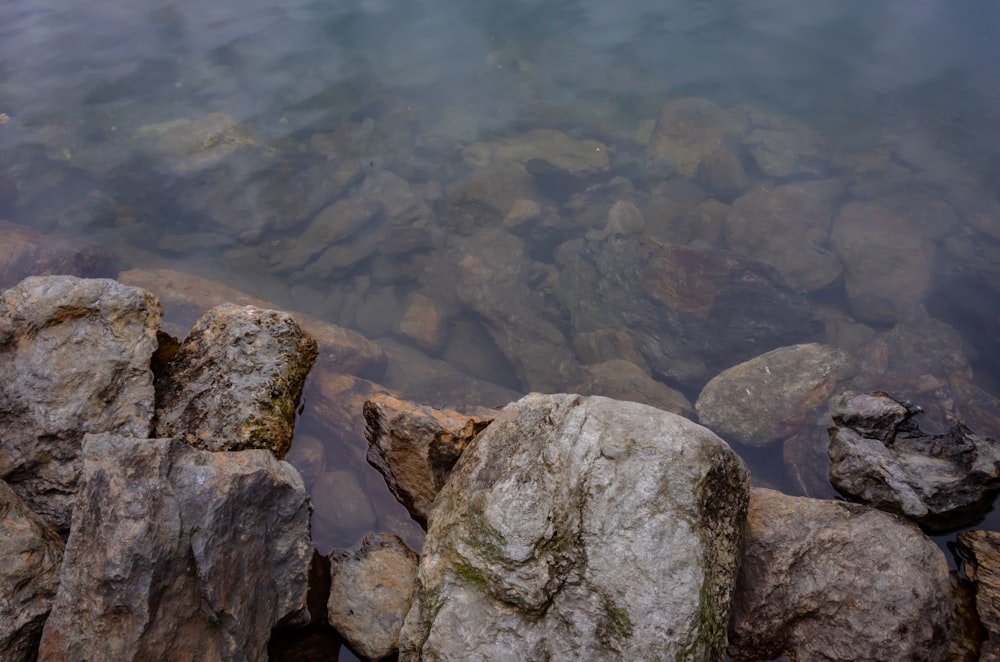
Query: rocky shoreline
x=148, y=511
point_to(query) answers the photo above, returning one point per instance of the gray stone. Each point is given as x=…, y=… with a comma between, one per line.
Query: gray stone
x=179, y=553
x=788, y=227
x=771, y=397
x=415, y=447
x=879, y=456
x=75, y=357
x=687, y=132
x=722, y=175
x=797, y=151
x=832, y=581
x=622, y=380
x=370, y=592
x=692, y=313
x=529, y=538
x=236, y=381
x=335, y=223
x=31, y=555
x=981, y=552
x=554, y=151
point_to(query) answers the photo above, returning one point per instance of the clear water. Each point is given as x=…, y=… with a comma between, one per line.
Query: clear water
x=89, y=88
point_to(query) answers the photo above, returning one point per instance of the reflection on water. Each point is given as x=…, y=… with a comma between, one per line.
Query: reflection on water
x=380, y=165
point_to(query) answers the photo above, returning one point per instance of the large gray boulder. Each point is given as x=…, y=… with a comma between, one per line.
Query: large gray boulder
x=832, y=581
x=879, y=456
x=179, y=553
x=581, y=528
x=236, y=381
x=31, y=554
x=74, y=358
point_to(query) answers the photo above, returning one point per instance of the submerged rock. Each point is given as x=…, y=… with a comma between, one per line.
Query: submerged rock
x=687, y=132
x=528, y=539
x=783, y=147
x=415, y=447
x=76, y=356
x=691, y=313
x=26, y=252
x=771, y=397
x=31, y=555
x=832, y=581
x=179, y=553
x=370, y=592
x=880, y=456
x=236, y=381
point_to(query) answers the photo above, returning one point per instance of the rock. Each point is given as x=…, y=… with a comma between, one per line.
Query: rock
x=31, y=555
x=487, y=195
x=981, y=552
x=722, y=175
x=692, y=313
x=621, y=380
x=422, y=324
x=527, y=540
x=343, y=510
x=879, y=456
x=333, y=224
x=624, y=218
x=179, y=553
x=187, y=297
x=415, y=447
x=608, y=345
x=827, y=580
x=554, y=151
x=308, y=456
x=790, y=151
x=26, y=252
x=370, y=593
x=687, y=132
x=236, y=381
x=788, y=227
x=773, y=396
x=190, y=146
x=496, y=281
x=887, y=263
x=76, y=354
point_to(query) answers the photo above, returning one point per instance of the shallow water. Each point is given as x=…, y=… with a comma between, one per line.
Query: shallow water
x=318, y=100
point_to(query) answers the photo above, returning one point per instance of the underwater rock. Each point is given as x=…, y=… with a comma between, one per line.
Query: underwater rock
x=722, y=176
x=880, y=456
x=528, y=538
x=687, y=132
x=831, y=581
x=785, y=148
x=25, y=252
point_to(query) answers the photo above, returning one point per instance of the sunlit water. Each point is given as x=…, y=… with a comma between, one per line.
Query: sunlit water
x=406, y=86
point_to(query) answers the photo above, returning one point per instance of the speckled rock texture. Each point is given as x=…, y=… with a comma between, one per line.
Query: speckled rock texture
x=581, y=528
x=832, y=581
x=31, y=554
x=236, y=381
x=179, y=553
x=981, y=553
x=74, y=358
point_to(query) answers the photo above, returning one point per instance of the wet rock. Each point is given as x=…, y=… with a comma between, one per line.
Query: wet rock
x=879, y=456
x=415, y=447
x=608, y=345
x=187, y=297
x=887, y=262
x=687, y=132
x=334, y=223
x=31, y=554
x=25, y=252
x=692, y=313
x=236, y=381
x=179, y=553
x=495, y=280
x=487, y=195
x=193, y=145
x=981, y=552
x=549, y=150
x=8, y=193
x=370, y=593
x=338, y=401
x=308, y=456
x=624, y=218
x=528, y=537
x=827, y=580
x=77, y=355
x=401, y=203
x=783, y=147
x=773, y=396
x=343, y=511
x=423, y=324
x=789, y=228
x=721, y=174
x=622, y=380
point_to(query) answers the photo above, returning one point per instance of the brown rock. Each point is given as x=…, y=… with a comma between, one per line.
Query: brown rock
x=334, y=223
x=622, y=380
x=415, y=447
x=25, y=252
x=789, y=227
x=31, y=554
x=370, y=593
x=236, y=381
x=188, y=296
x=722, y=175
x=343, y=510
x=178, y=553
x=422, y=324
x=827, y=580
x=689, y=130
x=981, y=552
x=555, y=151
x=75, y=354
